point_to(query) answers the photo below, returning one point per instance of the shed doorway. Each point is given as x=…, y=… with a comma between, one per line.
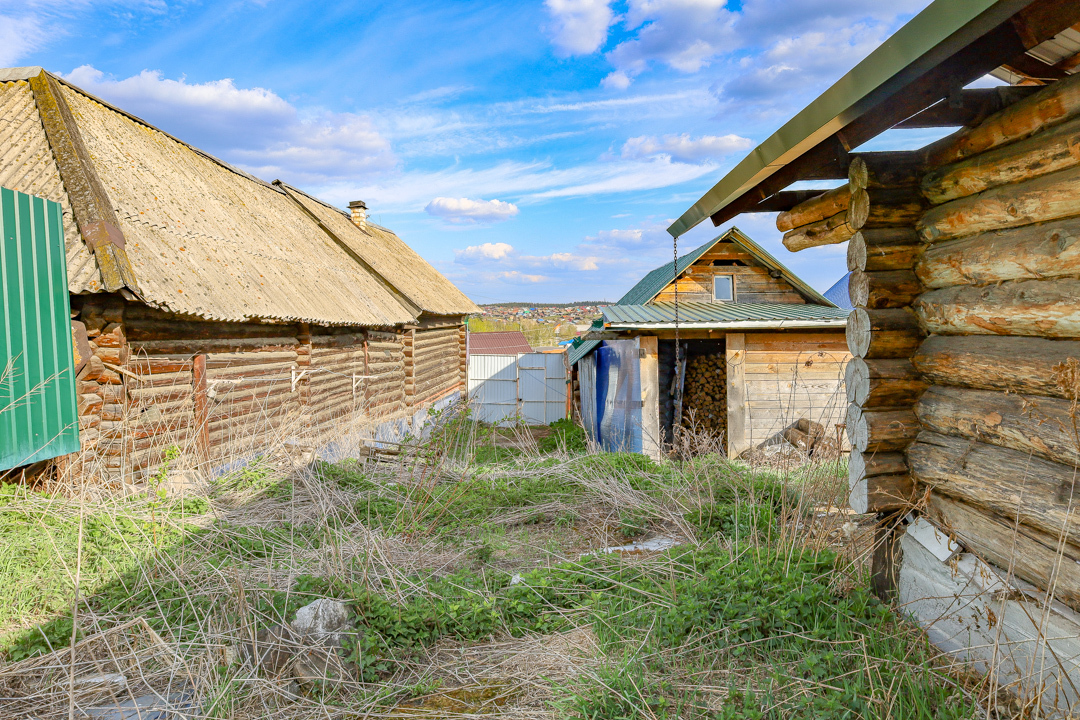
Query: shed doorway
x=704, y=392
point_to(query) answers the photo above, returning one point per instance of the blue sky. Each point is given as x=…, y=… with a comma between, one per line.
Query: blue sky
x=531, y=151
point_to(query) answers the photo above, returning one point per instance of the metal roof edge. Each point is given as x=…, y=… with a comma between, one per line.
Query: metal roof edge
x=733, y=325
x=865, y=86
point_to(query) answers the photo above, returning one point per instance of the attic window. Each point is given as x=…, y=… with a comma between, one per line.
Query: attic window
x=723, y=288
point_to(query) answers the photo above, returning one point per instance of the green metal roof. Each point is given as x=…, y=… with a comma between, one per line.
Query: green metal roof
x=932, y=37
x=655, y=281
x=724, y=315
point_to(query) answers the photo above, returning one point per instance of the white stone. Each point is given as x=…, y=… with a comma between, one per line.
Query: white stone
x=322, y=621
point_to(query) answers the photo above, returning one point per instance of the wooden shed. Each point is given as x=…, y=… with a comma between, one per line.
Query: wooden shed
x=966, y=331
x=214, y=306
x=761, y=350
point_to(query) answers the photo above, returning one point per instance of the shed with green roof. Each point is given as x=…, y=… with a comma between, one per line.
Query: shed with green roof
x=761, y=351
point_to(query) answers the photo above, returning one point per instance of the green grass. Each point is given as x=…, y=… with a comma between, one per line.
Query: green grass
x=748, y=621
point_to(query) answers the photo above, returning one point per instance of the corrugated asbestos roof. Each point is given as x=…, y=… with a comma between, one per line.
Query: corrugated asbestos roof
x=655, y=281
x=723, y=315
x=27, y=165
x=499, y=342
x=208, y=240
x=389, y=256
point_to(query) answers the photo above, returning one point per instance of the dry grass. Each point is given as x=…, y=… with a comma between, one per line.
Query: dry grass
x=180, y=592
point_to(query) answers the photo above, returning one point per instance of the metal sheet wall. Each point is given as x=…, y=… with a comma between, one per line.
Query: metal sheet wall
x=38, y=415
x=530, y=387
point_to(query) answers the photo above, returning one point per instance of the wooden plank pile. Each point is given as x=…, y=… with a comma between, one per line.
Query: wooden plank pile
x=705, y=395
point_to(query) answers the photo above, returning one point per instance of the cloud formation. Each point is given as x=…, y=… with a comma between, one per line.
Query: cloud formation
x=684, y=148
x=19, y=36
x=579, y=27
x=684, y=35
x=487, y=251
x=469, y=212
x=253, y=127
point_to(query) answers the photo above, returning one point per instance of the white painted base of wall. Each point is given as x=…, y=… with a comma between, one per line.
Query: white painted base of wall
x=971, y=612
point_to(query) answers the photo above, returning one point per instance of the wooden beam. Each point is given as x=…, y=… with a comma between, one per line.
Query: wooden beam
x=736, y=394
x=650, y=396
x=973, y=107
x=783, y=200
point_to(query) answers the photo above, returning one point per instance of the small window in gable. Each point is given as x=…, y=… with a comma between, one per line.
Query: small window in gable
x=723, y=288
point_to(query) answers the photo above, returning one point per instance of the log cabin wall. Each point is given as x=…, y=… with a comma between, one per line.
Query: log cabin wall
x=789, y=376
x=221, y=391
x=999, y=447
x=881, y=382
x=436, y=361
x=753, y=281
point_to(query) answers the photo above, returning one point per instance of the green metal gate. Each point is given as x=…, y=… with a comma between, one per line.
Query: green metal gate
x=38, y=412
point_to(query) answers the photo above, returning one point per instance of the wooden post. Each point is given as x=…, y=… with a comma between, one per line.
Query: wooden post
x=410, y=367
x=737, y=441
x=650, y=396
x=885, y=566
x=201, y=408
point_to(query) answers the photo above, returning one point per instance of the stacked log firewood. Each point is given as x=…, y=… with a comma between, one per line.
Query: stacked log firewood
x=705, y=396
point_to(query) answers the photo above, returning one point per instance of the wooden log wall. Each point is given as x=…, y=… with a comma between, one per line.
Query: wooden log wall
x=882, y=384
x=386, y=373
x=219, y=391
x=997, y=448
x=435, y=357
x=338, y=379
x=790, y=376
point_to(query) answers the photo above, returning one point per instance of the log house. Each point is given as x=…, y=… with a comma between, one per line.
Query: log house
x=965, y=333
x=221, y=312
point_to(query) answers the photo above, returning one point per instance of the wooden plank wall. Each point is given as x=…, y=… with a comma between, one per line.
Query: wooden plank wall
x=793, y=375
x=753, y=283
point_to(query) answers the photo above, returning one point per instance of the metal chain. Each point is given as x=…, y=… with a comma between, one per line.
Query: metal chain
x=676, y=407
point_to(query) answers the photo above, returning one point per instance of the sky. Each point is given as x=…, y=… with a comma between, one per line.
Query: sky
x=532, y=151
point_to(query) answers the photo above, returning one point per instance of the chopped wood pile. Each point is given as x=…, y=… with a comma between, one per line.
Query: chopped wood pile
x=705, y=396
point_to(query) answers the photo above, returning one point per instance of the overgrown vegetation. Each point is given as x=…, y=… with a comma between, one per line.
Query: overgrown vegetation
x=474, y=541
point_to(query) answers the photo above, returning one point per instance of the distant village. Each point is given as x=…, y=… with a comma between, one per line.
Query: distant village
x=544, y=324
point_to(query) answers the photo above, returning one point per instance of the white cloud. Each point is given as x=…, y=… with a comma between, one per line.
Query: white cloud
x=486, y=251
x=254, y=127
x=685, y=35
x=515, y=276
x=579, y=27
x=19, y=36
x=684, y=148
x=616, y=80
x=467, y=211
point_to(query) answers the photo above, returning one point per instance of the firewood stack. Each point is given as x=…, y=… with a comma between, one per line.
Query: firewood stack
x=705, y=396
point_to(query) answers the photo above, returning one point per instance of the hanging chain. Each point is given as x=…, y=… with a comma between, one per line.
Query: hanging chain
x=677, y=406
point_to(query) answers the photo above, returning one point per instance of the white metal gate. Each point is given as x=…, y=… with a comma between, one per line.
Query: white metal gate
x=531, y=386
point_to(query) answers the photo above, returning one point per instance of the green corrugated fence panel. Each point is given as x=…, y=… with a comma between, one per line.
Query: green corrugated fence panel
x=38, y=412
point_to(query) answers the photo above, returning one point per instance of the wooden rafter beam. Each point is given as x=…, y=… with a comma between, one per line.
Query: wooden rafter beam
x=969, y=107
x=1034, y=68
x=784, y=200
